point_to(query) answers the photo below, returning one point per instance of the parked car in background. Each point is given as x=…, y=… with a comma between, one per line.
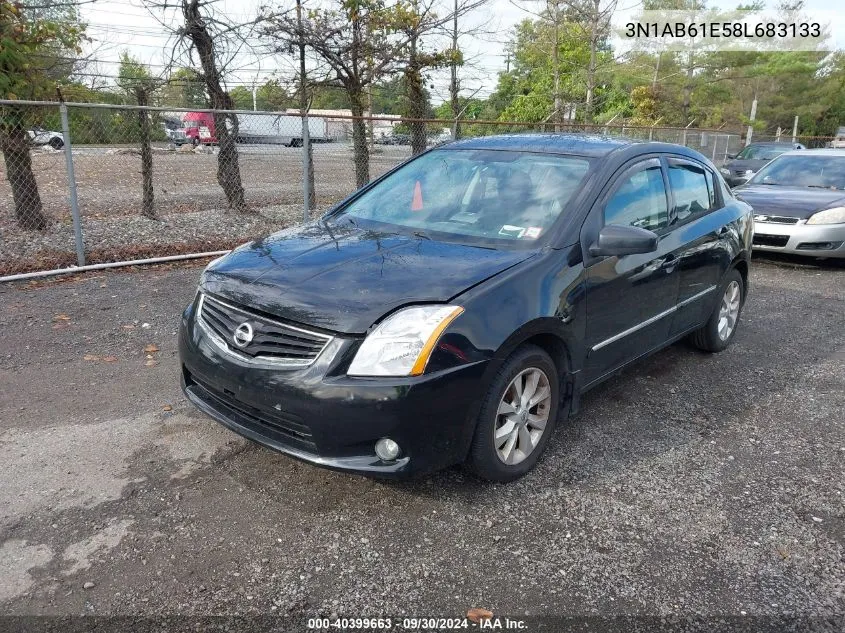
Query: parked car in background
x=455, y=309
x=838, y=141
x=799, y=203
x=751, y=159
x=39, y=136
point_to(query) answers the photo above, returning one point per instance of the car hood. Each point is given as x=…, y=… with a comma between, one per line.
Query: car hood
x=754, y=165
x=344, y=278
x=794, y=202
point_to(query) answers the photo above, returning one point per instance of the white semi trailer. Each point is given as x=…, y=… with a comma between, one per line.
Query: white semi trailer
x=280, y=129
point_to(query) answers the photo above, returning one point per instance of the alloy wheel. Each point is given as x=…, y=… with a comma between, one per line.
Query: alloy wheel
x=522, y=416
x=729, y=310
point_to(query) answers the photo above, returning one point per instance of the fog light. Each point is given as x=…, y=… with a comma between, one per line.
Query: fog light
x=387, y=450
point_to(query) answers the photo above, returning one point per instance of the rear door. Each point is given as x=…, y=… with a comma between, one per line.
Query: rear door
x=700, y=233
x=629, y=298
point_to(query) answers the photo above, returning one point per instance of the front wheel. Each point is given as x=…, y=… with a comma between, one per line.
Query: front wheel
x=56, y=143
x=517, y=417
x=721, y=327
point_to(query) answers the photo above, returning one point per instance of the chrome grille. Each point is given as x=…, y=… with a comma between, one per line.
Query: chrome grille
x=271, y=341
x=776, y=219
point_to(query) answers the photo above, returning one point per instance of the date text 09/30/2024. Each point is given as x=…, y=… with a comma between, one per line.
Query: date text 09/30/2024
x=490, y=623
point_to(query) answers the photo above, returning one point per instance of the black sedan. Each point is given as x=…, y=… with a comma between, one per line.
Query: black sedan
x=455, y=309
x=752, y=159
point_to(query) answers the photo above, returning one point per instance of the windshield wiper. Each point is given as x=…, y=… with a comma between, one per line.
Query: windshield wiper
x=823, y=187
x=422, y=235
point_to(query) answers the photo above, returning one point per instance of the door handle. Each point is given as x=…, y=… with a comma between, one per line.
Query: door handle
x=669, y=262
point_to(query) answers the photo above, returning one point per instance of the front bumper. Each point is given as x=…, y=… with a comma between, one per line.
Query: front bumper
x=814, y=240
x=330, y=419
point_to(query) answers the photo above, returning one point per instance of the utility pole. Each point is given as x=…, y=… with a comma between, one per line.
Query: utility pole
x=751, y=121
x=254, y=97
x=310, y=196
x=454, y=87
x=556, y=63
x=795, y=130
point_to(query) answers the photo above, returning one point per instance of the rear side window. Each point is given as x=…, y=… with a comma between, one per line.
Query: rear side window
x=693, y=196
x=639, y=201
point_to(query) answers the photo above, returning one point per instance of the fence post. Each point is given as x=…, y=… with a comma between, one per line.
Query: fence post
x=306, y=175
x=71, y=184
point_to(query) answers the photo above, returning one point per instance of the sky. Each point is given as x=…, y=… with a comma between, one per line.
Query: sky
x=118, y=25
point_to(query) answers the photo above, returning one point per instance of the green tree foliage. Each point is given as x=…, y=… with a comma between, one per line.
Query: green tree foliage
x=184, y=89
x=707, y=89
x=33, y=46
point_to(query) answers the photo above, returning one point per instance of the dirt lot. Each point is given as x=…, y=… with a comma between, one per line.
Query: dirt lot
x=190, y=204
x=693, y=484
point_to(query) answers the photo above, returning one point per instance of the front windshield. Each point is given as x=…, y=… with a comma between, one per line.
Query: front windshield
x=762, y=152
x=491, y=195
x=827, y=172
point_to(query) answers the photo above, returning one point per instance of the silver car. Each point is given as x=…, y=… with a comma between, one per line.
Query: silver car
x=799, y=203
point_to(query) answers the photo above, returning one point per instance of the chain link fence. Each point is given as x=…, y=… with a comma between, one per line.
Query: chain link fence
x=95, y=183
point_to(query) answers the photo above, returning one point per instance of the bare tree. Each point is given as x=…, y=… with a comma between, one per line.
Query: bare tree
x=136, y=81
x=225, y=124
x=357, y=43
x=216, y=41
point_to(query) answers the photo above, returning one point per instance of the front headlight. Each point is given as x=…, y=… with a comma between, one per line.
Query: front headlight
x=836, y=215
x=724, y=171
x=402, y=344
x=749, y=172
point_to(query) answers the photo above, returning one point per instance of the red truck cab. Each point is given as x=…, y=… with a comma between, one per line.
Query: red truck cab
x=199, y=128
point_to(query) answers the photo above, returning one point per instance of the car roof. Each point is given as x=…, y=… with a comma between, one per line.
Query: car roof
x=587, y=145
x=773, y=143
x=819, y=151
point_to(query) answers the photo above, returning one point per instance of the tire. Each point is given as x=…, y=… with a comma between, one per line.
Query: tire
x=709, y=338
x=56, y=143
x=485, y=457
x=195, y=141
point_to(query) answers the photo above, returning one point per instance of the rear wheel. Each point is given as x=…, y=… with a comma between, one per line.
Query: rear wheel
x=56, y=143
x=517, y=417
x=721, y=327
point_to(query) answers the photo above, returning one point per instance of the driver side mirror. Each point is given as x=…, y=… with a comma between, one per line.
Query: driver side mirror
x=731, y=156
x=616, y=239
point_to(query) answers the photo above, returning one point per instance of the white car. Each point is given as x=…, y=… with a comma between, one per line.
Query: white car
x=39, y=136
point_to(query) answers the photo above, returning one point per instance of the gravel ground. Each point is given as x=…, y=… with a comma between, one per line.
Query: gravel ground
x=189, y=202
x=690, y=485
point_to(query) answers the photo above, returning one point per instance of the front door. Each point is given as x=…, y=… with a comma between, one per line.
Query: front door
x=630, y=298
x=701, y=229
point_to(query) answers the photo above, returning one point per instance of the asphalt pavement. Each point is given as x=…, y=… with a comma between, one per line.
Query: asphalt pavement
x=691, y=484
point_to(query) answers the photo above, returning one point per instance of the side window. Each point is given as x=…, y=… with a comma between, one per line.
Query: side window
x=689, y=186
x=639, y=201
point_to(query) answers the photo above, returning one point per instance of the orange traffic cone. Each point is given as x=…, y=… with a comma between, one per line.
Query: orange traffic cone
x=417, y=202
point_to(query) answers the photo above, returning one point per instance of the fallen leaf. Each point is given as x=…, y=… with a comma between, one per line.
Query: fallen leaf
x=61, y=317
x=151, y=348
x=129, y=327
x=110, y=359
x=167, y=407
x=151, y=363
x=90, y=357
x=477, y=615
